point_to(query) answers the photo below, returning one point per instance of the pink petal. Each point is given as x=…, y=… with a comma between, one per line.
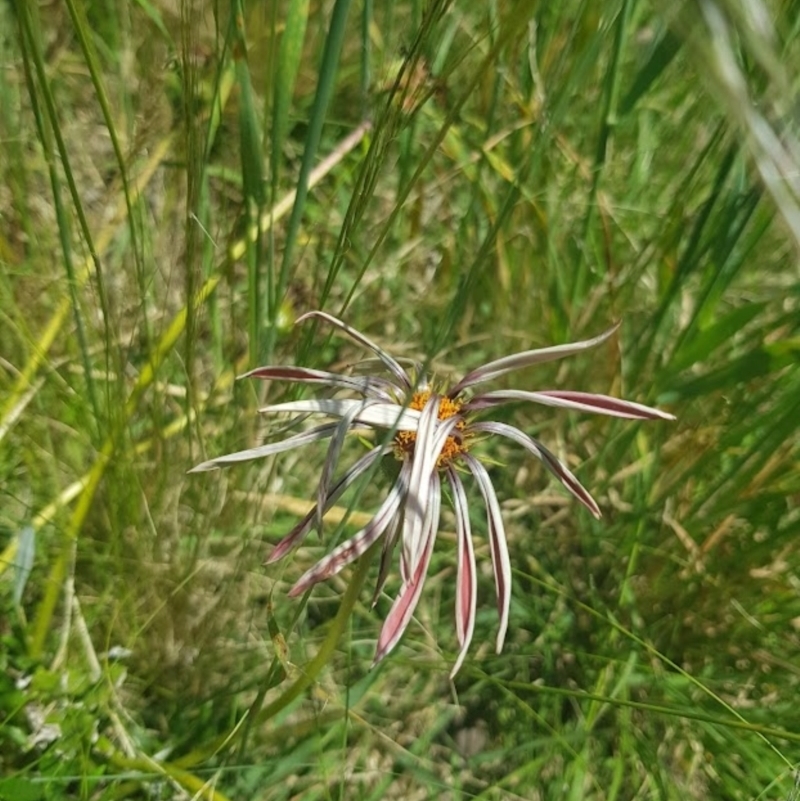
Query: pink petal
x=406, y=602
x=356, y=546
x=403, y=607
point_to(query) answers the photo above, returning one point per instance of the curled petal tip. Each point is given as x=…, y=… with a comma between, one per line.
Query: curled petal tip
x=204, y=467
x=376, y=660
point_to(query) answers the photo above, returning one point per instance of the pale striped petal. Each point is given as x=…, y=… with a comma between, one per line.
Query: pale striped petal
x=392, y=535
x=549, y=460
x=377, y=414
x=356, y=546
x=578, y=401
x=399, y=373
x=334, y=451
x=371, y=386
x=431, y=437
x=466, y=573
x=302, y=528
x=406, y=602
x=605, y=404
x=296, y=441
x=501, y=563
x=389, y=542
x=517, y=361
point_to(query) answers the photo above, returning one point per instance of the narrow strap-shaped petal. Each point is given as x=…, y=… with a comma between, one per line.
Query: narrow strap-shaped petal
x=422, y=465
x=392, y=536
x=350, y=550
x=548, y=459
x=371, y=386
x=578, y=401
x=377, y=414
x=466, y=573
x=334, y=451
x=431, y=437
x=402, y=609
x=296, y=441
x=389, y=541
x=388, y=360
x=304, y=526
x=517, y=361
x=605, y=404
x=406, y=602
x=501, y=562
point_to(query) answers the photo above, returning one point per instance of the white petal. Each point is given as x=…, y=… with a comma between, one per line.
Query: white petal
x=371, y=386
x=388, y=360
x=334, y=451
x=566, y=399
x=497, y=539
x=379, y=415
x=516, y=361
x=466, y=574
x=431, y=437
x=304, y=526
x=549, y=460
x=312, y=435
x=349, y=551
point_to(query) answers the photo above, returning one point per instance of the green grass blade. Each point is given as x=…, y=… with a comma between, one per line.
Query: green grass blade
x=327, y=74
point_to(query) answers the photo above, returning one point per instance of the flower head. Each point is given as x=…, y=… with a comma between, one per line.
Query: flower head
x=431, y=432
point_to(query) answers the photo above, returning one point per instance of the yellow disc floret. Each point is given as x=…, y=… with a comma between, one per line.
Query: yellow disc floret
x=405, y=441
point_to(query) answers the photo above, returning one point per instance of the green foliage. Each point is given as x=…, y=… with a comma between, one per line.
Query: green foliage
x=459, y=180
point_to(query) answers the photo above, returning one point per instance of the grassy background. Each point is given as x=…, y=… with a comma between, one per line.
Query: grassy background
x=180, y=181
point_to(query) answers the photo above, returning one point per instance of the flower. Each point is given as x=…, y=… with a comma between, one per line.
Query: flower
x=431, y=432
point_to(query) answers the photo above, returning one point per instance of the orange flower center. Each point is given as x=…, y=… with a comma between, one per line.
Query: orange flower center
x=405, y=441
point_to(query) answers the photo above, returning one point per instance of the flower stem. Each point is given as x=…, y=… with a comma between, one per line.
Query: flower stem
x=322, y=657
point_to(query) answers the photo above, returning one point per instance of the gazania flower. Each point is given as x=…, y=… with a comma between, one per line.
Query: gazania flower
x=431, y=431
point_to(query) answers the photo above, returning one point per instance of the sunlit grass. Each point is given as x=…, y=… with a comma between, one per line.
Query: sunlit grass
x=177, y=184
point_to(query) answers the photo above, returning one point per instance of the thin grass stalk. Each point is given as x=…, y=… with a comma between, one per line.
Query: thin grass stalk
x=80, y=26
x=51, y=331
x=386, y=130
x=607, y=122
x=737, y=720
x=44, y=613
x=367, y=17
x=146, y=377
x=327, y=75
x=195, y=149
x=323, y=656
x=289, y=60
x=31, y=51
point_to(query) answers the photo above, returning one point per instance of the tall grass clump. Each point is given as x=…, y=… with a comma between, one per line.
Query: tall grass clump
x=180, y=182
